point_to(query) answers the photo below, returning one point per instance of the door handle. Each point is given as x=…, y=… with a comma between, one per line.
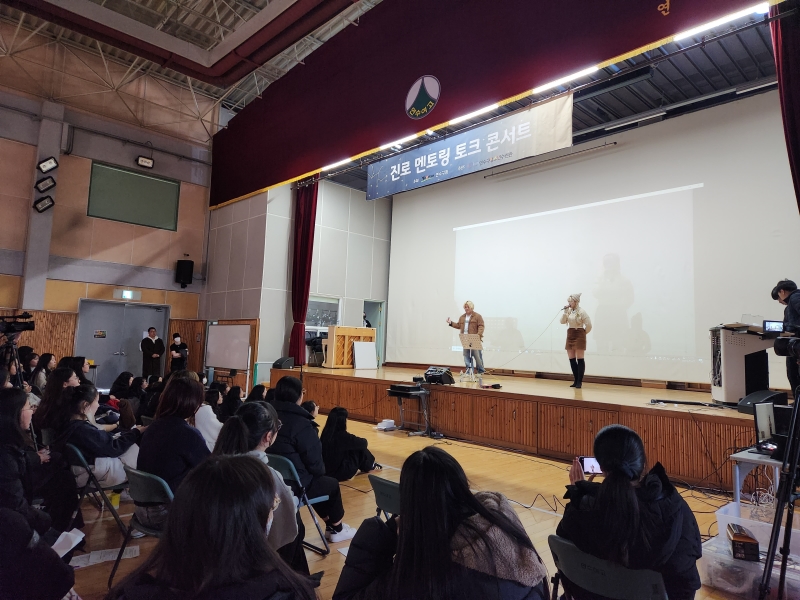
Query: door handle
x=123, y=354
x=514, y=414
x=116, y=354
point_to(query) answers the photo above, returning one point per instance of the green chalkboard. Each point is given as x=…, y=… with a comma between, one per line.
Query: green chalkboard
x=131, y=197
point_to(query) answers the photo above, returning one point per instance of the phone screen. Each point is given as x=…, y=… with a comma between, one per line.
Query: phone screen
x=590, y=465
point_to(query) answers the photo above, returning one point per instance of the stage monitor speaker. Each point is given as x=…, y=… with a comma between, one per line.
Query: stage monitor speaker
x=184, y=272
x=746, y=404
x=284, y=362
x=441, y=375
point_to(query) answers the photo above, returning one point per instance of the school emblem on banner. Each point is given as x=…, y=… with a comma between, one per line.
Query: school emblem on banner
x=422, y=97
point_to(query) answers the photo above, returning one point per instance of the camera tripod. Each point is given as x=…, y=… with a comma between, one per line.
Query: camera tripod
x=10, y=354
x=785, y=498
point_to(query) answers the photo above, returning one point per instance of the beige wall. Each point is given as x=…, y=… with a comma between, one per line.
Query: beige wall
x=76, y=235
x=17, y=168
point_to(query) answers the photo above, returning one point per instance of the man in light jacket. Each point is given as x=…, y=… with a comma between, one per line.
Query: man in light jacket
x=470, y=322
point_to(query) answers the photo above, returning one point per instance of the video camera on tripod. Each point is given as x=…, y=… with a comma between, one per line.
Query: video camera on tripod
x=11, y=327
x=12, y=324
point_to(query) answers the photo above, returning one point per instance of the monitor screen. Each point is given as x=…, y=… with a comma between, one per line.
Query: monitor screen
x=773, y=326
x=765, y=421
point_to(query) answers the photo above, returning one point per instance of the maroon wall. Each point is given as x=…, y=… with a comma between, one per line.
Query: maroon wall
x=349, y=96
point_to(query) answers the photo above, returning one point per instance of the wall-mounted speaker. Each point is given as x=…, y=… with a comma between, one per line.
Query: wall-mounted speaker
x=183, y=272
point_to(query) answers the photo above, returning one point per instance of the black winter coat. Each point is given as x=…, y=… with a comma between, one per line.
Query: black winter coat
x=336, y=451
x=674, y=537
x=15, y=488
x=791, y=314
x=93, y=442
x=298, y=441
x=270, y=586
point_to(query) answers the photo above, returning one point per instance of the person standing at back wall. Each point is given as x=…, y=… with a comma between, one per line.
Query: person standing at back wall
x=152, y=348
x=179, y=353
x=470, y=322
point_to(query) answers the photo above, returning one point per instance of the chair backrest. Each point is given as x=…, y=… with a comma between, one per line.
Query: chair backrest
x=285, y=467
x=146, y=420
x=145, y=487
x=387, y=494
x=604, y=577
x=75, y=457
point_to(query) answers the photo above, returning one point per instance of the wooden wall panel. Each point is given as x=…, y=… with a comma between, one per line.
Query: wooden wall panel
x=521, y=423
x=54, y=333
x=555, y=429
x=193, y=333
x=358, y=398
x=451, y=413
x=587, y=423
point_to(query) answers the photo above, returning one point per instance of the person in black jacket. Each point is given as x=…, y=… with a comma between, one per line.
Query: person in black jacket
x=786, y=293
x=449, y=543
x=215, y=543
x=29, y=568
x=298, y=441
x=105, y=452
x=344, y=454
x=635, y=519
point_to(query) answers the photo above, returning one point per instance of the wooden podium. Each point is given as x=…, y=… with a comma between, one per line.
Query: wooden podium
x=339, y=346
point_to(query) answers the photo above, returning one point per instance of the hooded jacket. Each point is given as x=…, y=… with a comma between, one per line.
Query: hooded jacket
x=517, y=572
x=673, y=537
x=269, y=586
x=93, y=442
x=15, y=489
x=298, y=441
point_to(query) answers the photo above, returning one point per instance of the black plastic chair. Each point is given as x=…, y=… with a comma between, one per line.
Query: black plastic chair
x=75, y=458
x=143, y=488
x=286, y=468
x=387, y=495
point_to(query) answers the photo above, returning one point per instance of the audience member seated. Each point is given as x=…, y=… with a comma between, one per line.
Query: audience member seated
x=298, y=441
x=230, y=403
x=206, y=421
x=5, y=379
x=29, y=568
x=202, y=378
x=137, y=392
x=446, y=543
x=79, y=364
x=257, y=394
x=119, y=399
x=46, y=365
x=28, y=362
x=343, y=453
x=215, y=543
x=48, y=410
x=26, y=474
x=150, y=405
x=313, y=409
x=106, y=453
x=635, y=519
x=270, y=397
x=170, y=447
x=251, y=431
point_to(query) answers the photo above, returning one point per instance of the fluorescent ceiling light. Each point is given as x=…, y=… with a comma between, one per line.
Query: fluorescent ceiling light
x=336, y=164
x=642, y=118
x=563, y=80
x=399, y=142
x=759, y=9
x=474, y=114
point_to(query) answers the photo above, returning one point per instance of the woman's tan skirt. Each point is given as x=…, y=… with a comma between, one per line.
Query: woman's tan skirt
x=576, y=339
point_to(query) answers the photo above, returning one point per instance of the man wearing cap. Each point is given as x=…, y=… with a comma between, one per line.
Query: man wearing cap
x=786, y=293
x=470, y=322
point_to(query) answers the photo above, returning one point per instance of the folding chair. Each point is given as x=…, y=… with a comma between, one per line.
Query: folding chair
x=286, y=468
x=143, y=488
x=600, y=576
x=92, y=486
x=387, y=495
x=147, y=420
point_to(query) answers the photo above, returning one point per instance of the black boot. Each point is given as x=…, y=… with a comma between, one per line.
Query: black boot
x=580, y=369
x=573, y=364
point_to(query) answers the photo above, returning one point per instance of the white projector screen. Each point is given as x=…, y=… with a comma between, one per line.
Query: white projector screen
x=682, y=226
x=228, y=347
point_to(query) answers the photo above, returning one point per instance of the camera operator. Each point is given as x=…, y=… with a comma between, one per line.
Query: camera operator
x=786, y=293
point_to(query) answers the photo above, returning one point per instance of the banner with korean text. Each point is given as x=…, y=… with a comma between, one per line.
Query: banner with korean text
x=537, y=130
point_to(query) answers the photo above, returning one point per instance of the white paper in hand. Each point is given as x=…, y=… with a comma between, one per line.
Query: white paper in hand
x=67, y=541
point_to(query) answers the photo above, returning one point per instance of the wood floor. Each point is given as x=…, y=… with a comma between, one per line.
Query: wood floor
x=524, y=479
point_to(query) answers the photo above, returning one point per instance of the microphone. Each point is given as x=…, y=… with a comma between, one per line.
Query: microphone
x=566, y=307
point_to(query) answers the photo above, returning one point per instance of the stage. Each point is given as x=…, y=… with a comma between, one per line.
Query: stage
x=548, y=418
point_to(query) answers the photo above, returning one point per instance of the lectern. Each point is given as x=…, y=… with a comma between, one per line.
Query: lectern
x=339, y=347
x=739, y=362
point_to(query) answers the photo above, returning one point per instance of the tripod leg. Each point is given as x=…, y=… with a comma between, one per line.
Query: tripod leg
x=786, y=549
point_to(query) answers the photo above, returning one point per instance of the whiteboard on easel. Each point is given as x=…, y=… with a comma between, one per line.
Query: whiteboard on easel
x=228, y=347
x=365, y=355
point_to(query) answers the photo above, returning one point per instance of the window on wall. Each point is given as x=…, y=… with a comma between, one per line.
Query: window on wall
x=124, y=195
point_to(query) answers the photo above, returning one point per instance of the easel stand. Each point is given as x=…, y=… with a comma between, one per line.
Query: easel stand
x=785, y=498
x=470, y=342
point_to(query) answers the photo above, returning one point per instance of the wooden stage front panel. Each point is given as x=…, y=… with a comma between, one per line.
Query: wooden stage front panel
x=548, y=418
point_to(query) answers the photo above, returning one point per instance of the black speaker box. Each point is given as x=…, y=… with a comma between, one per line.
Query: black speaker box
x=183, y=272
x=284, y=362
x=746, y=404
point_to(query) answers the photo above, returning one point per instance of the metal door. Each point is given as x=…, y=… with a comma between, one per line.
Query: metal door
x=110, y=332
x=375, y=315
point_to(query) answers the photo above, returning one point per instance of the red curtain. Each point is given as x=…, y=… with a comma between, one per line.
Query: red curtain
x=305, y=214
x=786, y=43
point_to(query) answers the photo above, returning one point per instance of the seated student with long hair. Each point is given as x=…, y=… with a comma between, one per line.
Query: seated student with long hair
x=215, y=543
x=634, y=518
x=205, y=419
x=170, y=447
x=26, y=474
x=45, y=366
x=344, y=454
x=105, y=453
x=251, y=431
x=230, y=403
x=257, y=394
x=447, y=543
x=48, y=411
